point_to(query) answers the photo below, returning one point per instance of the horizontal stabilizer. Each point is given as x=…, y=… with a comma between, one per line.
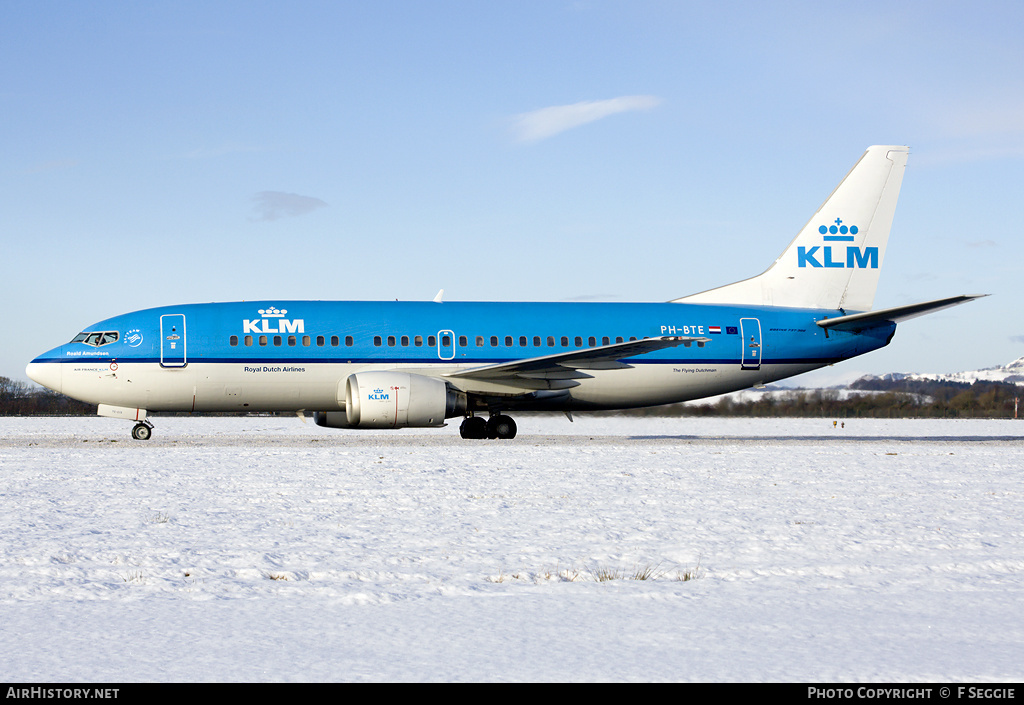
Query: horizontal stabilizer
x=860, y=321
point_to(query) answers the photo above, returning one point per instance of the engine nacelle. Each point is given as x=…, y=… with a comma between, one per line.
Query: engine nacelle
x=394, y=400
x=331, y=419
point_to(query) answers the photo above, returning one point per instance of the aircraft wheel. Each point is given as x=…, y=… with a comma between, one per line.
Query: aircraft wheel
x=501, y=426
x=142, y=432
x=474, y=427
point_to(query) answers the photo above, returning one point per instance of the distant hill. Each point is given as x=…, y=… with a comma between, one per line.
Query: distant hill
x=1012, y=373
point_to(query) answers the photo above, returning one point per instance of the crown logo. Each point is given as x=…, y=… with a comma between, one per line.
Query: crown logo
x=377, y=391
x=272, y=312
x=838, y=228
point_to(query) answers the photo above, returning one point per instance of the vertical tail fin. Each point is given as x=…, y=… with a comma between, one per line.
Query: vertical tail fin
x=835, y=260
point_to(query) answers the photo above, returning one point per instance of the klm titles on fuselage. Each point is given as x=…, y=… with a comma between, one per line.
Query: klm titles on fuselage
x=855, y=257
x=273, y=321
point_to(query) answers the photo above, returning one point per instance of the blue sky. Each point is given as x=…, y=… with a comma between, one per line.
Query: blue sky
x=160, y=153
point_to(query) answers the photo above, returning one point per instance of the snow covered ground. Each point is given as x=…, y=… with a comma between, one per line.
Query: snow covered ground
x=244, y=549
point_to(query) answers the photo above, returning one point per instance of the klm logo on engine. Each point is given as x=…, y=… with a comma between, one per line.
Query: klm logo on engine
x=378, y=395
x=273, y=321
x=838, y=256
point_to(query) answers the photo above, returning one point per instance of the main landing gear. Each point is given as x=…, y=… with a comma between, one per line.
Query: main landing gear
x=498, y=426
x=143, y=431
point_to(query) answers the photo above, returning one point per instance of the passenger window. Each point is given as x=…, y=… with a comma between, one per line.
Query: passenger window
x=536, y=341
x=405, y=341
x=291, y=341
x=565, y=341
x=431, y=341
x=376, y=340
x=579, y=342
x=551, y=341
x=391, y=341
x=348, y=341
x=605, y=341
x=320, y=341
x=508, y=341
x=479, y=341
x=462, y=341
x=418, y=341
x=591, y=341
x=277, y=341
x=522, y=341
x=248, y=341
x=446, y=341
x=305, y=341
x=233, y=341
x=618, y=339
x=263, y=340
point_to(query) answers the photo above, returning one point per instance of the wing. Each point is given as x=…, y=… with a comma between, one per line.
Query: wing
x=541, y=372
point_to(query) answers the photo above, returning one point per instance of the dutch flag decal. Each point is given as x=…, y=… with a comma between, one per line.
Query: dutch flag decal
x=714, y=329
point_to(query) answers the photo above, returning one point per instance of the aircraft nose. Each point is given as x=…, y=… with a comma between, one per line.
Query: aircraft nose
x=47, y=374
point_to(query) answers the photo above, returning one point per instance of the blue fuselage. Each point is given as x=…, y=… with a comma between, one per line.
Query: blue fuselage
x=285, y=355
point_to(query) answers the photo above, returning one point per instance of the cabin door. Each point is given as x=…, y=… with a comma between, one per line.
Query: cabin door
x=172, y=340
x=750, y=332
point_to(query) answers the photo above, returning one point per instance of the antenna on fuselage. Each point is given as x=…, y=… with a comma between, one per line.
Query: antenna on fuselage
x=439, y=297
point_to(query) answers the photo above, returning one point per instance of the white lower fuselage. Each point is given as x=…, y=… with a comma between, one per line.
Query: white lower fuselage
x=321, y=387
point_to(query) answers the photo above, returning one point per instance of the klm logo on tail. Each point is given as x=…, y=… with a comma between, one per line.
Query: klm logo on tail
x=855, y=257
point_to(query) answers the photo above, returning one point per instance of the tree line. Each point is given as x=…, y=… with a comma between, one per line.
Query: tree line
x=22, y=399
x=880, y=399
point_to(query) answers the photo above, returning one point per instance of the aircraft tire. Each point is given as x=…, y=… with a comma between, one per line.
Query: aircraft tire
x=142, y=432
x=501, y=426
x=474, y=427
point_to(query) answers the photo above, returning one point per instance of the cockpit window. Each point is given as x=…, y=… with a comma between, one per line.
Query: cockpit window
x=97, y=338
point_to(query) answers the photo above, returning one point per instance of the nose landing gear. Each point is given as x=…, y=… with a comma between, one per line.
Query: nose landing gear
x=143, y=431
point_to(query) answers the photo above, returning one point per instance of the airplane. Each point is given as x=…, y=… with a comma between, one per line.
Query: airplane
x=374, y=365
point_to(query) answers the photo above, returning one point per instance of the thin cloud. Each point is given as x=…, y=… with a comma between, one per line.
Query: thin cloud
x=274, y=205
x=220, y=151
x=55, y=165
x=547, y=122
x=1001, y=114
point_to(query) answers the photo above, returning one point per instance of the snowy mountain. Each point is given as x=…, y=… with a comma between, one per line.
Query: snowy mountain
x=1012, y=373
